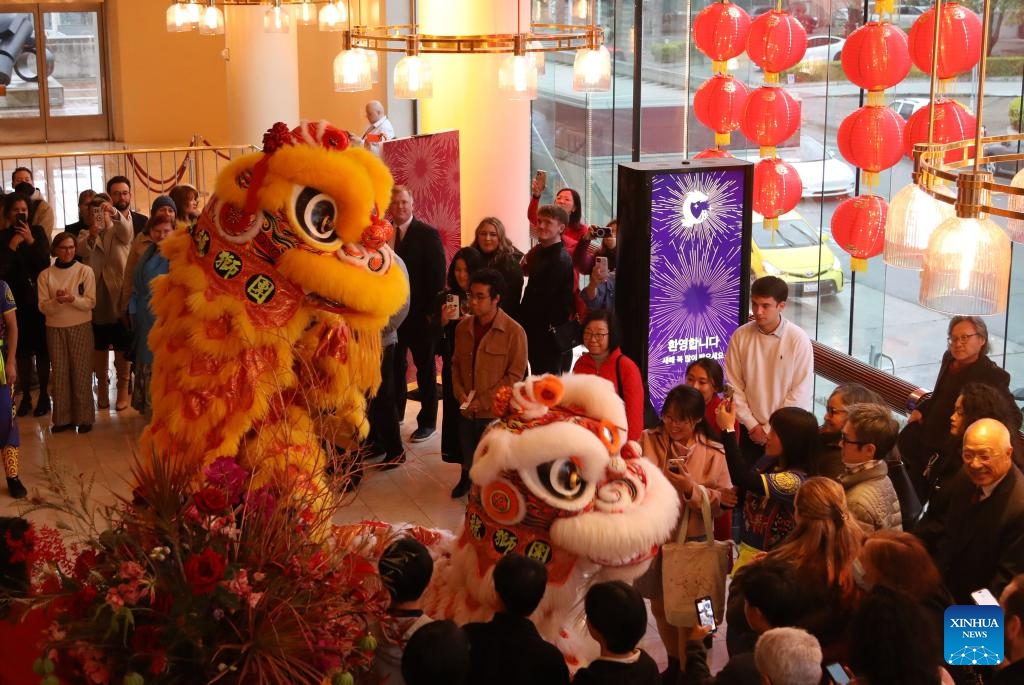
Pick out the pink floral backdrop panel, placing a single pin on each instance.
(429, 166)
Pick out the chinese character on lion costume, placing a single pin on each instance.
(554, 479)
(268, 322)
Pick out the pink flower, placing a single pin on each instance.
(114, 598)
(225, 474)
(262, 503)
(131, 570)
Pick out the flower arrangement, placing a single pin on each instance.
(212, 580)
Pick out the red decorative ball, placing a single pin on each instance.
(876, 56)
(771, 116)
(952, 123)
(719, 103)
(959, 40)
(713, 153)
(858, 226)
(777, 188)
(720, 30)
(777, 41)
(871, 137)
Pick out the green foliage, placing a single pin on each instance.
(1015, 114)
(668, 52)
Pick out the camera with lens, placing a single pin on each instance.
(600, 232)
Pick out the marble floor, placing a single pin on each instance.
(417, 492)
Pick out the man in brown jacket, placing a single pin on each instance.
(490, 353)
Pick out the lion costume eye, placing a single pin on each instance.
(315, 211)
(562, 477)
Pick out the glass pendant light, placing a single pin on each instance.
(966, 269)
(212, 21)
(536, 56)
(306, 14)
(195, 12)
(913, 217)
(177, 18)
(580, 9)
(517, 75)
(592, 70)
(351, 68)
(414, 78)
(333, 16)
(277, 19)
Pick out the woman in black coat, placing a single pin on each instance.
(501, 255)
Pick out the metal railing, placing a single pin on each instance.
(60, 177)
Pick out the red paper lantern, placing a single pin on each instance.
(858, 226)
(777, 41)
(771, 116)
(713, 153)
(871, 138)
(876, 56)
(720, 31)
(777, 189)
(959, 40)
(952, 123)
(719, 103)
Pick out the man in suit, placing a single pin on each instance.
(419, 246)
(980, 542)
(119, 188)
(508, 648)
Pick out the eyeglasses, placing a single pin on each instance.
(674, 420)
(479, 297)
(835, 412)
(845, 440)
(961, 338)
(595, 336)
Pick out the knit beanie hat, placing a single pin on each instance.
(162, 201)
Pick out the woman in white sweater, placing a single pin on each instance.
(67, 296)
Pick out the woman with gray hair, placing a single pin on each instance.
(965, 361)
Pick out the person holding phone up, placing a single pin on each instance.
(24, 253)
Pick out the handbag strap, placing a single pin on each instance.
(705, 510)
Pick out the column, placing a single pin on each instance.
(262, 75)
(494, 132)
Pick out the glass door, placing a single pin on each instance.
(52, 85)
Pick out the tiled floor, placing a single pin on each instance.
(417, 492)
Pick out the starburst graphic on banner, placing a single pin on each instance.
(696, 205)
(697, 295)
(444, 214)
(979, 656)
(421, 164)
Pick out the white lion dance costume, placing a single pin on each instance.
(554, 479)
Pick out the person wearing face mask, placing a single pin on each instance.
(980, 541)
(40, 213)
(829, 458)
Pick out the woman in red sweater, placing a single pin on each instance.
(604, 358)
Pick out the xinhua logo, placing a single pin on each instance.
(973, 635)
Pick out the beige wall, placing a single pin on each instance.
(166, 86)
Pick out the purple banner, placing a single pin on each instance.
(696, 271)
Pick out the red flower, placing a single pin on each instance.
(211, 501)
(204, 571)
(86, 561)
(276, 137)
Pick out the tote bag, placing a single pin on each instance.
(691, 570)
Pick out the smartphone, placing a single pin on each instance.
(21, 218)
(601, 262)
(983, 596)
(706, 613)
(542, 178)
(675, 465)
(728, 392)
(837, 674)
(452, 301)
(469, 398)
(97, 213)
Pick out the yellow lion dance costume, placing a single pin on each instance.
(268, 323)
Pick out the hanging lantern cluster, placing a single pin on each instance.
(952, 123)
(959, 41)
(875, 57)
(720, 32)
(777, 41)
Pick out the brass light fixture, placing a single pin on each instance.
(591, 68)
(967, 264)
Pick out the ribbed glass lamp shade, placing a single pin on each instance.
(1015, 227)
(966, 268)
(333, 17)
(195, 11)
(352, 72)
(373, 57)
(518, 78)
(177, 18)
(580, 9)
(212, 22)
(592, 70)
(414, 79)
(913, 217)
